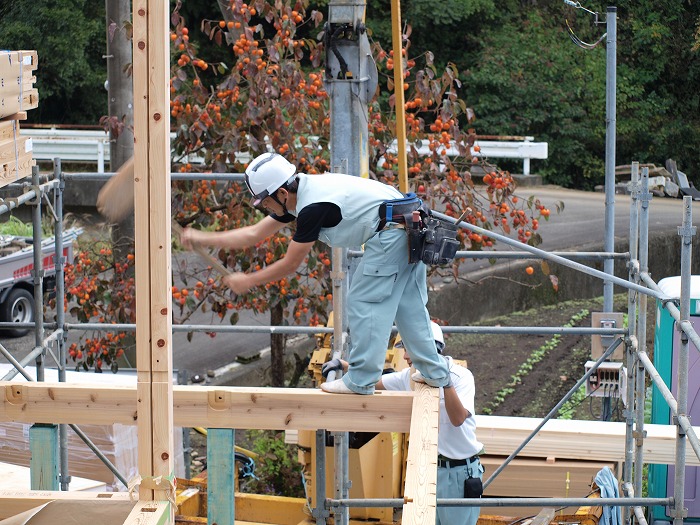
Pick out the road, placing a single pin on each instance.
(581, 223)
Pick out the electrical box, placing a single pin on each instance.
(600, 343)
(609, 380)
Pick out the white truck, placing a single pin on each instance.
(16, 280)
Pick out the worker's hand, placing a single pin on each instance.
(239, 282)
(330, 366)
(189, 238)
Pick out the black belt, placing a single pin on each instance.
(444, 462)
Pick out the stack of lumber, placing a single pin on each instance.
(17, 96)
(579, 440)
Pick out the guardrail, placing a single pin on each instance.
(513, 148)
(93, 146)
(70, 145)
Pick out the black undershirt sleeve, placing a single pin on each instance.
(314, 217)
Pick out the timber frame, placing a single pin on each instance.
(151, 405)
(235, 407)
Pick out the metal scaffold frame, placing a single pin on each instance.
(639, 286)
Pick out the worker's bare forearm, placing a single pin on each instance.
(273, 272)
(296, 252)
(454, 407)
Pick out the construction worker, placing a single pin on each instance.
(459, 471)
(341, 211)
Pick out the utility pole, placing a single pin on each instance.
(120, 93)
(351, 81)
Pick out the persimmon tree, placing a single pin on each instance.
(270, 95)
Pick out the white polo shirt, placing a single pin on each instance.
(453, 442)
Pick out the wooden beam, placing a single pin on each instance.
(421, 464)
(153, 245)
(210, 407)
(571, 439)
(151, 513)
(263, 508)
(13, 502)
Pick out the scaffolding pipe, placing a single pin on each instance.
(7, 205)
(554, 258)
(640, 390)
(59, 333)
(467, 254)
(38, 277)
(631, 344)
(505, 502)
(99, 454)
(554, 410)
(312, 330)
(320, 512)
(686, 232)
(29, 357)
(75, 428)
(683, 324)
(638, 511)
(19, 367)
(682, 420)
(610, 137)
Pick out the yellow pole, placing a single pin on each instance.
(399, 99)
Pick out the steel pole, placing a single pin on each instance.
(639, 376)
(686, 231)
(610, 130)
(60, 261)
(38, 275)
(631, 344)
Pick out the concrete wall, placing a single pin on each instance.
(506, 287)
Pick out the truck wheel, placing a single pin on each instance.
(17, 308)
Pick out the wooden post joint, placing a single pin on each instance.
(219, 400)
(16, 394)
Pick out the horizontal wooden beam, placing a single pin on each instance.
(210, 407)
(13, 502)
(571, 439)
(151, 513)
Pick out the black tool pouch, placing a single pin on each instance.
(416, 238)
(473, 488)
(440, 242)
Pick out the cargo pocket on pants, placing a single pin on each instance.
(376, 282)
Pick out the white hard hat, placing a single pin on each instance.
(266, 174)
(437, 335)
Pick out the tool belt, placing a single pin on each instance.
(430, 239)
(400, 210)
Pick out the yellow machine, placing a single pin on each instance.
(376, 460)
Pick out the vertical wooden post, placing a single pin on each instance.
(43, 462)
(399, 95)
(221, 475)
(420, 491)
(153, 253)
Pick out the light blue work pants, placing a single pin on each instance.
(386, 288)
(450, 484)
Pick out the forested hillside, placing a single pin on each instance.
(518, 70)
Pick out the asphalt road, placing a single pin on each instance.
(580, 224)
